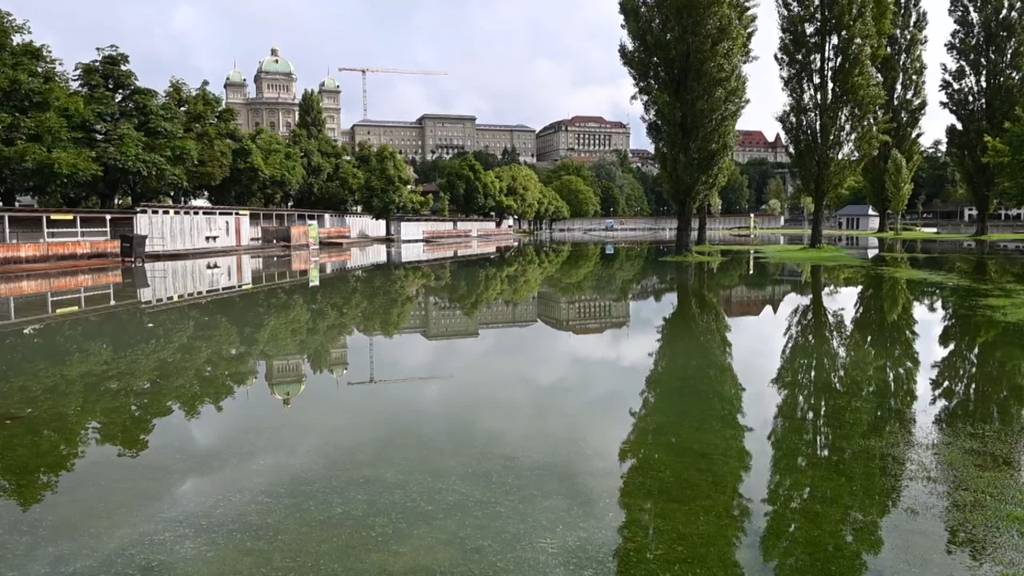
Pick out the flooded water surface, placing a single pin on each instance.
(542, 409)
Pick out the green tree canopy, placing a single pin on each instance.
(387, 183)
(984, 86)
(900, 26)
(42, 152)
(686, 59)
(580, 198)
(832, 93)
(471, 190)
(265, 171)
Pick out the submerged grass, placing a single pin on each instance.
(825, 255)
(696, 256)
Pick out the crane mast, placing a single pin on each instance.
(364, 71)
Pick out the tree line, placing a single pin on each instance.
(853, 76)
(96, 137)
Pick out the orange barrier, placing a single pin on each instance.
(66, 250)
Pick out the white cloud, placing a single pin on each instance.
(531, 61)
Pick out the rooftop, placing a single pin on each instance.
(756, 139)
(586, 121)
(857, 210)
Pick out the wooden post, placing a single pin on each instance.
(10, 304)
(78, 227)
(45, 239)
(7, 229)
(108, 227)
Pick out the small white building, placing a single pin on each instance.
(860, 217)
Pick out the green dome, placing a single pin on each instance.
(235, 77)
(329, 83)
(275, 64)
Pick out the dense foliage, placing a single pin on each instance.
(686, 59)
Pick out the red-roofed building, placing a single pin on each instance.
(584, 138)
(754, 145)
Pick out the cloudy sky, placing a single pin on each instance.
(529, 61)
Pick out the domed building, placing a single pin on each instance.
(275, 106)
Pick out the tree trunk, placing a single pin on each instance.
(817, 224)
(702, 226)
(684, 224)
(883, 221)
(981, 227)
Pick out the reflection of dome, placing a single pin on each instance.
(288, 391)
(329, 83)
(275, 64)
(286, 377)
(235, 77)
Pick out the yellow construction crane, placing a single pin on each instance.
(365, 71)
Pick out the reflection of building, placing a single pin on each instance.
(585, 314)
(337, 357)
(275, 107)
(743, 301)
(582, 138)
(286, 377)
(438, 319)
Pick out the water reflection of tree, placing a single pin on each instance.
(980, 384)
(686, 458)
(841, 430)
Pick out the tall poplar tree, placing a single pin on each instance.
(832, 93)
(984, 86)
(686, 58)
(900, 65)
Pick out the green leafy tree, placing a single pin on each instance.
(265, 171)
(487, 159)
(735, 193)
(686, 58)
(618, 189)
(776, 190)
(832, 94)
(580, 198)
(134, 137)
(387, 183)
(470, 189)
(509, 156)
(331, 178)
(521, 189)
(899, 184)
(42, 153)
(685, 457)
(311, 120)
(1006, 156)
(984, 86)
(208, 135)
(900, 25)
(551, 206)
(568, 167)
(937, 180)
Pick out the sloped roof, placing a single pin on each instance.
(857, 210)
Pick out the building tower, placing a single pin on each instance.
(236, 95)
(330, 101)
(275, 106)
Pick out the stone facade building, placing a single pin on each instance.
(275, 106)
(585, 138)
(443, 135)
(754, 145)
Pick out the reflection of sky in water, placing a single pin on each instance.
(509, 456)
(505, 461)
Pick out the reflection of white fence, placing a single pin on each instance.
(179, 279)
(723, 222)
(363, 256)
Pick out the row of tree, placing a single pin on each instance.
(97, 138)
(853, 76)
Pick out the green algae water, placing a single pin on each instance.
(550, 409)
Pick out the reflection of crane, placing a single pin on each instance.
(373, 379)
(364, 71)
